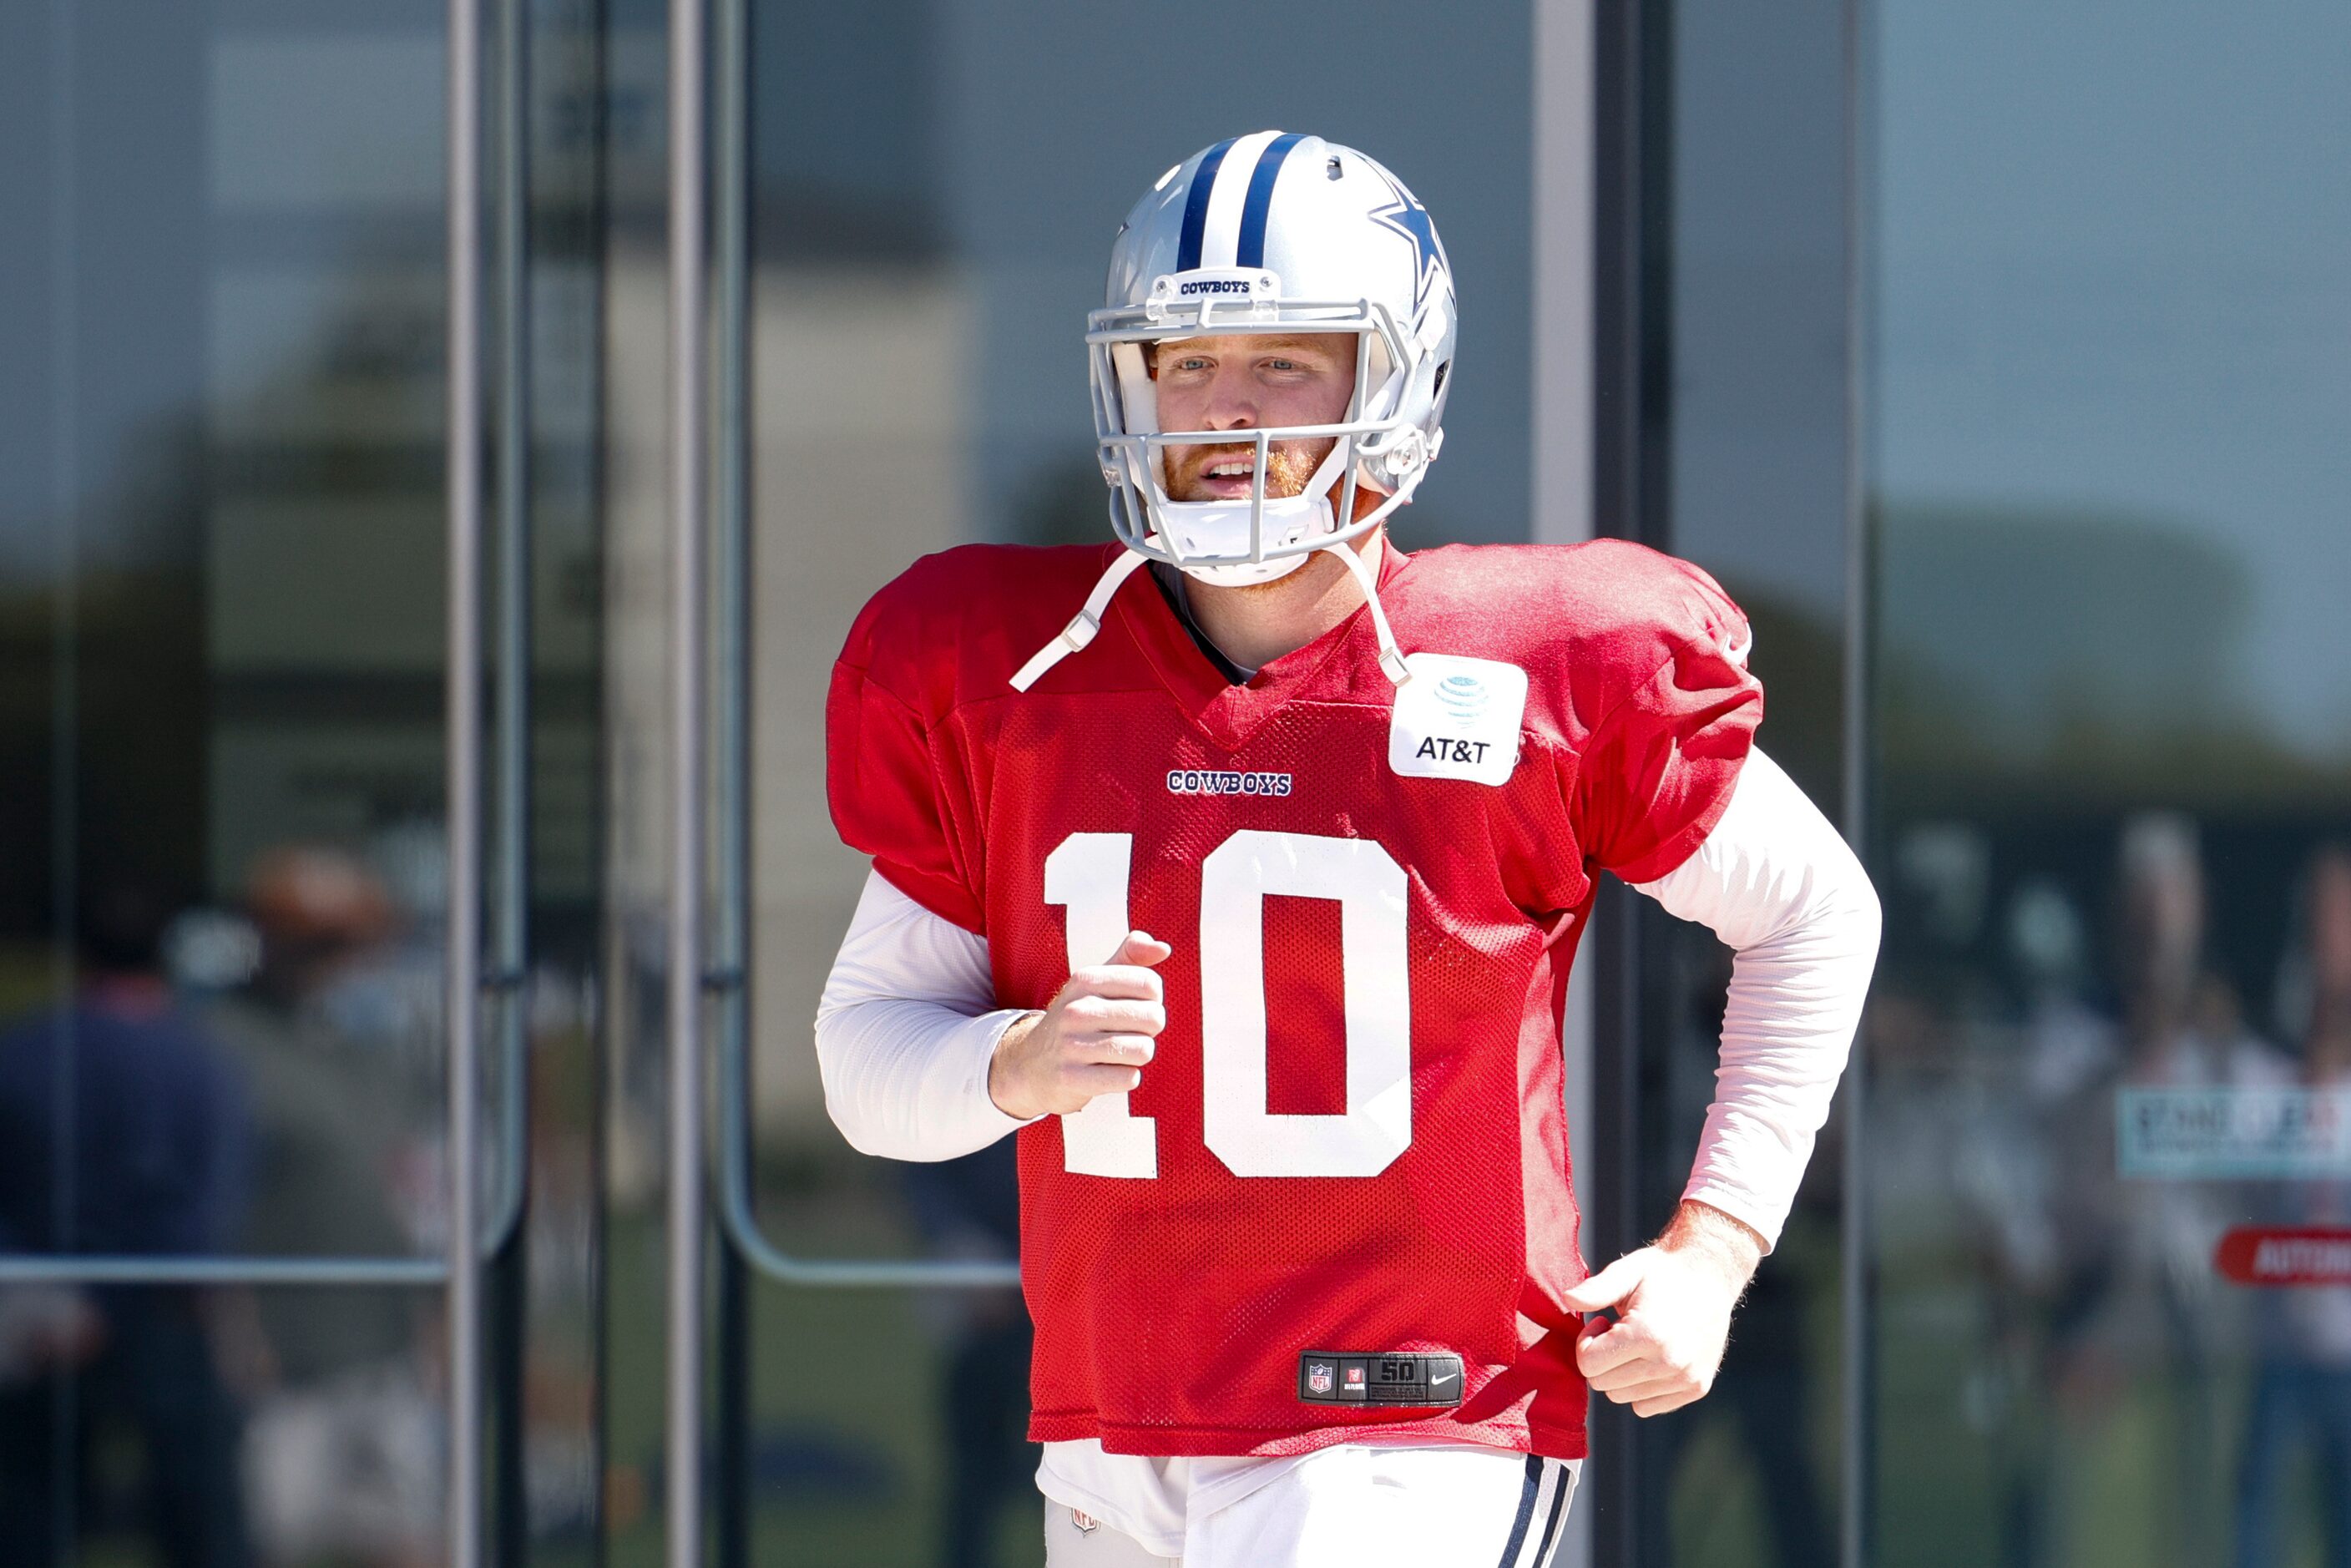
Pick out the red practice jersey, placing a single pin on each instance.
(1351, 1138)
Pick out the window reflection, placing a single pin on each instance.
(220, 575)
(2120, 1351)
(344, 1438)
(2300, 1400)
(2109, 749)
(177, 1110)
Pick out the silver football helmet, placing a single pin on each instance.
(1266, 233)
(1271, 232)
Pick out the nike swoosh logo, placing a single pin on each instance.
(1437, 1377)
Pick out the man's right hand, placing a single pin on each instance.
(1094, 1039)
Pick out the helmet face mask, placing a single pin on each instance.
(1359, 258)
(1261, 536)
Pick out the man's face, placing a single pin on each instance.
(1246, 382)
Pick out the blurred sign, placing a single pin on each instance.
(2183, 1135)
(2285, 1255)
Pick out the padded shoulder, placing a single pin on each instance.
(1592, 624)
(957, 623)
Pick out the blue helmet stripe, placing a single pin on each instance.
(1195, 204)
(1260, 199)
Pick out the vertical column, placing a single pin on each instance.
(1561, 418)
(508, 914)
(1564, 238)
(728, 960)
(688, 67)
(1856, 1341)
(464, 440)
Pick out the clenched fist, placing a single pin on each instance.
(1101, 1027)
(1673, 1302)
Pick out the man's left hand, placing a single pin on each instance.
(1673, 1300)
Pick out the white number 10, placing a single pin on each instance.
(1087, 875)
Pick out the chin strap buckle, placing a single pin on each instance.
(1391, 663)
(1074, 636)
(1080, 631)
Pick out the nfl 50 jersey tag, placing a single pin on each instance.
(1458, 718)
(1364, 1377)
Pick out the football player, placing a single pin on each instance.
(1248, 898)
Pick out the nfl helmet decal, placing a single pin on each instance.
(1410, 219)
(1271, 232)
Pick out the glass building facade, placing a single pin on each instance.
(1997, 359)
(2110, 761)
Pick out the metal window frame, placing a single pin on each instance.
(689, 426)
(710, 158)
(1565, 127)
(418, 1268)
(1858, 1338)
(723, 963)
(1628, 498)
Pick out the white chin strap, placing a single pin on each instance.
(1391, 663)
(1080, 631)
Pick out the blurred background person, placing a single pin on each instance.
(2302, 1385)
(2060, 1046)
(123, 1131)
(2144, 1325)
(342, 1452)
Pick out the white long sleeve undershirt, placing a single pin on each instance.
(904, 1032)
(1778, 885)
(908, 1021)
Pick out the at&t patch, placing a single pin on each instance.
(1458, 718)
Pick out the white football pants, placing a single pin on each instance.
(1357, 1507)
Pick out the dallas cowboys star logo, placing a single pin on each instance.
(1407, 217)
